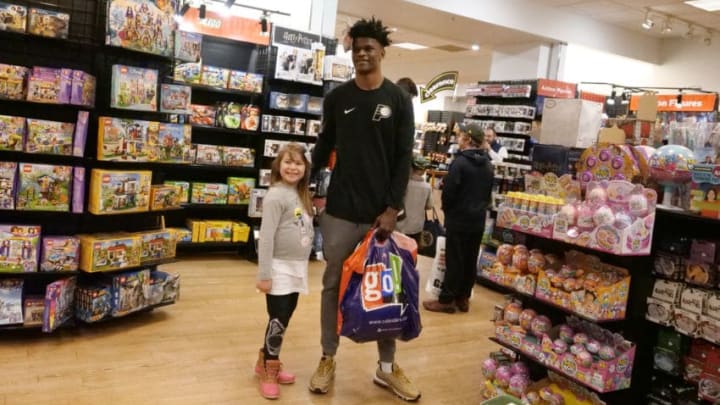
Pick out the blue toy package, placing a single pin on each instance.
(93, 303)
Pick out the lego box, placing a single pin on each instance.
(175, 99)
(8, 174)
(93, 302)
(124, 139)
(239, 189)
(12, 81)
(14, 17)
(49, 137)
(129, 292)
(173, 143)
(238, 156)
(107, 252)
(209, 193)
(134, 88)
(19, 247)
(43, 187)
(48, 23)
(156, 245)
(164, 197)
(188, 46)
(183, 190)
(12, 132)
(118, 192)
(60, 253)
(141, 25)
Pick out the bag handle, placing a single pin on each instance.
(434, 215)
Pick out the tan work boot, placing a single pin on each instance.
(269, 387)
(323, 376)
(397, 382)
(284, 377)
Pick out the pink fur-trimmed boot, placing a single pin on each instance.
(283, 377)
(269, 387)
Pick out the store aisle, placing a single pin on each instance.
(202, 350)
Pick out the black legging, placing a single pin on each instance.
(461, 252)
(280, 309)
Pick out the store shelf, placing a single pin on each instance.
(523, 117)
(680, 214)
(139, 311)
(229, 245)
(291, 113)
(139, 54)
(151, 263)
(136, 213)
(131, 165)
(286, 136)
(66, 107)
(219, 130)
(25, 157)
(510, 290)
(228, 207)
(218, 90)
(39, 274)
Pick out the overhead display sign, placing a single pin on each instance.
(296, 39)
(300, 55)
(598, 98)
(442, 82)
(690, 102)
(556, 89)
(224, 26)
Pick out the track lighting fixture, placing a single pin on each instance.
(648, 23)
(707, 40)
(611, 99)
(202, 11)
(690, 32)
(679, 99)
(229, 3)
(264, 23)
(185, 8)
(625, 98)
(666, 27)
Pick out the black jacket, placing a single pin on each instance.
(466, 191)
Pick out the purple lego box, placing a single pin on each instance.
(44, 85)
(8, 175)
(60, 253)
(81, 128)
(78, 191)
(83, 89)
(66, 76)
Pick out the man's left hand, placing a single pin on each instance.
(385, 223)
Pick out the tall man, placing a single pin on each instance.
(369, 122)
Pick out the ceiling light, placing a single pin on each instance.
(475, 47)
(409, 45)
(679, 99)
(648, 23)
(707, 5)
(666, 27)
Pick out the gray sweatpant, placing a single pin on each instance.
(340, 237)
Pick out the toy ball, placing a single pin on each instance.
(502, 376)
(622, 220)
(559, 346)
(518, 384)
(607, 352)
(584, 359)
(520, 260)
(672, 164)
(576, 348)
(504, 254)
(489, 367)
(540, 326)
(536, 262)
(597, 196)
(580, 338)
(533, 398)
(512, 313)
(569, 212)
(638, 205)
(566, 333)
(603, 216)
(520, 248)
(526, 318)
(519, 368)
(592, 346)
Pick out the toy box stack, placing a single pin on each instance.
(49, 137)
(164, 197)
(59, 303)
(48, 23)
(125, 139)
(115, 192)
(218, 231)
(188, 46)
(14, 17)
(183, 190)
(33, 310)
(239, 189)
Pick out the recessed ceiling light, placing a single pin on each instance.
(707, 5)
(475, 47)
(409, 45)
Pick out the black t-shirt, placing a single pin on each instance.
(372, 133)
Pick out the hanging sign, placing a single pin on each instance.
(690, 102)
(300, 55)
(556, 89)
(442, 82)
(293, 38)
(224, 26)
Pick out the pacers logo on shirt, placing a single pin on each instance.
(382, 111)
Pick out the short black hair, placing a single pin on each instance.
(371, 28)
(408, 85)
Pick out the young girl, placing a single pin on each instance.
(286, 234)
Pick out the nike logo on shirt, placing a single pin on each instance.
(349, 110)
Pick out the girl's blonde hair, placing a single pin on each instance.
(303, 186)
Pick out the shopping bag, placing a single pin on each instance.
(379, 288)
(428, 237)
(437, 271)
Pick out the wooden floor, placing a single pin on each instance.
(202, 350)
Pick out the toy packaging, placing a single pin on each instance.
(93, 302)
(264, 177)
(78, 192)
(48, 85)
(49, 137)
(8, 173)
(81, 127)
(313, 127)
(43, 187)
(214, 76)
(13, 17)
(134, 88)
(188, 46)
(12, 132)
(188, 72)
(107, 252)
(238, 156)
(60, 253)
(240, 232)
(208, 193)
(338, 68)
(238, 116)
(202, 115)
(59, 303)
(256, 199)
(175, 99)
(183, 190)
(705, 191)
(243, 81)
(118, 192)
(208, 154)
(129, 292)
(12, 81)
(173, 143)
(11, 300)
(156, 245)
(182, 235)
(272, 147)
(239, 189)
(126, 139)
(83, 89)
(33, 310)
(298, 126)
(164, 287)
(315, 105)
(48, 23)
(141, 25)
(164, 197)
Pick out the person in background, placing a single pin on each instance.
(286, 234)
(369, 122)
(498, 153)
(408, 85)
(418, 199)
(465, 198)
